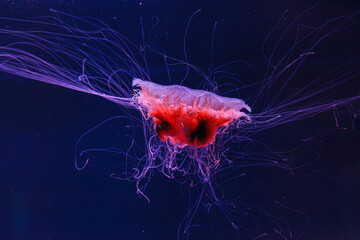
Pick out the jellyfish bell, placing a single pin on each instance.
(185, 116)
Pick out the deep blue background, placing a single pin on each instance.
(43, 196)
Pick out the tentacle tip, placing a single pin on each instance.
(81, 168)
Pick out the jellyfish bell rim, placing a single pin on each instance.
(235, 103)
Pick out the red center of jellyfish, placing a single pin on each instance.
(186, 126)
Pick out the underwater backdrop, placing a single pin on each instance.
(43, 195)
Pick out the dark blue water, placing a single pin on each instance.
(43, 196)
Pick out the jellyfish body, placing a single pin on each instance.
(185, 116)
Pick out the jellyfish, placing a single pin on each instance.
(198, 136)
